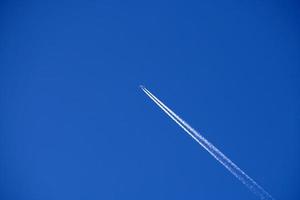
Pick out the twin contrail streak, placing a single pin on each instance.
(219, 156)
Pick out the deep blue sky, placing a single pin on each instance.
(75, 125)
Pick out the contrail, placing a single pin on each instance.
(217, 154)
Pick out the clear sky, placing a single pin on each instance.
(75, 125)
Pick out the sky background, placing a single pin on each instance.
(75, 125)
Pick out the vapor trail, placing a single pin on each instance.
(219, 156)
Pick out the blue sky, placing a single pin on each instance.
(75, 125)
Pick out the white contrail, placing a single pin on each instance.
(226, 162)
